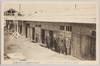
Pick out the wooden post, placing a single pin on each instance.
(72, 43)
(16, 24)
(17, 28)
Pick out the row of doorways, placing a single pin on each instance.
(42, 35)
(79, 50)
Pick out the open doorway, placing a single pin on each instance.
(51, 38)
(43, 35)
(26, 31)
(33, 33)
(20, 29)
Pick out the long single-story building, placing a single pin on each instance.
(81, 32)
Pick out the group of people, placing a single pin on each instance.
(60, 45)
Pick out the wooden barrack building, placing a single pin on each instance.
(81, 32)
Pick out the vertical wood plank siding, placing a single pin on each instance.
(83, 45)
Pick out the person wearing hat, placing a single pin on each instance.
(67, 46)
(55, 42)
(60, 44)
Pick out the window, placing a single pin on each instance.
(68, 28)
(36, 25)
(27, 25)
(39, 25)
(61, 27)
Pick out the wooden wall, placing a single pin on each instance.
(83, 45)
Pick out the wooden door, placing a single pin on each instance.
(85, 47)
(76, 46)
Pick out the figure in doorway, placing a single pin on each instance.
(55, 42)
(36, 37)
(60, 44)
(48, 40)
(67, 45)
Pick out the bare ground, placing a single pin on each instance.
(32, 51)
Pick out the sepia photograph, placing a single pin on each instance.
(50, 32)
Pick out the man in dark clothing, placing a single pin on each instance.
(48, 40)
(65, 48)
(60, 44)
(55, 42)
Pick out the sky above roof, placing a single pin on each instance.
(55, 10)
(28, 8)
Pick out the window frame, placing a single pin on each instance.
(69, 28)
(62, 27)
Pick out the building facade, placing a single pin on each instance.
(82, 36)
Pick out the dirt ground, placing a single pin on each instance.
(31, 51)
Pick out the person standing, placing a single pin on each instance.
(67, 43)
(36, 37)
(65, 47)
(60, 44)
(55, 42)
(48, 40)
